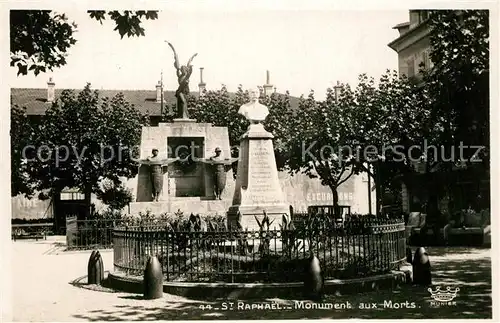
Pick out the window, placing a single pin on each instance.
(426, 59)
(417, 17)
(411, 67)
(414, 18)
(68, 196)
(424, 14)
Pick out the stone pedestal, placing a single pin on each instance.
(156, 208)
(257, 184)
(177, 120)
(187, 205)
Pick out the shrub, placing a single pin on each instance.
(115, 196)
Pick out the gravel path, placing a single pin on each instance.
(49, 286)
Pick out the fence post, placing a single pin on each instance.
(167, 246)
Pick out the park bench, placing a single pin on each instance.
(475, 230)
(31, 231)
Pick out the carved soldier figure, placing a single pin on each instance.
(183, 75)
(156, 169)
(219, 166)
(219, 173)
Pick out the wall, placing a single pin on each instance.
(415, 51)
(300, 191)
(24, 208)
(361, 189)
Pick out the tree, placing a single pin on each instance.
(458, 82)
(115, 196)
(21, 134)
(278, 122)
(446, 106)
(387, 122)
(317, 141)
(83, 140)
(40, 39)
(219, 108)
(458, 95)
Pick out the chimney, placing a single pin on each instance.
(268, 87)
(51, 90)
(202, 85)
(158, 92)
(337, 88)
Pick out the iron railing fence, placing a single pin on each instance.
(90, 234)
(355, 249)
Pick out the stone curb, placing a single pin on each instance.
(205, 291)
(63, 251)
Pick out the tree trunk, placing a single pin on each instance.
(336, 208)
(378, 188)
(369, 194)
(59, 219)
(432, 209)
(87, 202)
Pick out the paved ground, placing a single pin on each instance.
(48, 287)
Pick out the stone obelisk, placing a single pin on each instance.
(257, 184)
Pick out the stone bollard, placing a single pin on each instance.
(153, 279)
(313, 280)
(95, 268)
(421, 267)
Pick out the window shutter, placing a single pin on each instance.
(411, 67)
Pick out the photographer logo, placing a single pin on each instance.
(443, 298)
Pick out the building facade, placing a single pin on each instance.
(413, 49)
(412, 45)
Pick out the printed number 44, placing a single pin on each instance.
(205, 307)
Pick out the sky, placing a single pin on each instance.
(303, 49)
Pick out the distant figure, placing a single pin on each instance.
(254, 111)
(183, 75)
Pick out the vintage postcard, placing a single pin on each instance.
(242, 162)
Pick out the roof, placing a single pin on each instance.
(410, 37)
(35, 99)
(401, 25)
